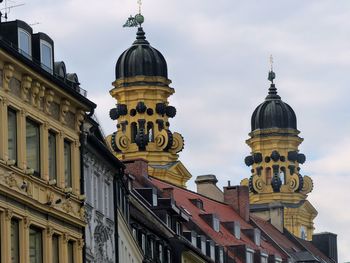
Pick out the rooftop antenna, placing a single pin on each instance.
(272, 74)
(137, 20)
(8, 8)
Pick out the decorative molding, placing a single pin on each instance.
(65, 238)
(8, 214)
(48, 99)
(49, 232)
(81, 243)
(35, 89)
(64, 108)
(40, 100)
(26, 222)
(79, 118)
(7, 75)
(26, 84)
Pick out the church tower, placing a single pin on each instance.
(275, 162)
(143, 112)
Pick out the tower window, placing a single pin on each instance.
(283, 175)
(303, 234)
(133, 128)
(15, 246)
(150, 131)
(24, 43)
(268, 174)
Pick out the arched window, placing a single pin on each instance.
(268, 175)
(150, 131)
(283, 175)
(133, 128)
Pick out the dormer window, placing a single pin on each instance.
(216, 224)
(249, 256)
(24, 43)
(46, 55)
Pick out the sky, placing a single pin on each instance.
(218, 60)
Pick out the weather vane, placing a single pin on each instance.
(137, 20)
(272, 74)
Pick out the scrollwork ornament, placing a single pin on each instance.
(161, 139)
(178, 143)
(293, 183)
(122, 141)
(258, 184)
(308, 185)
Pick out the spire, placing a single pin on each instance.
(272, 75)
(137, 20)
(140, 37)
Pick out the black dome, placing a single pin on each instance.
(141, 59)
(273, 113)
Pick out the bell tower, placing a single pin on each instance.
(275, 162)
(143, 113)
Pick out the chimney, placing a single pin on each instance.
(238, 198)
(137, 167)
(206, 185)
(327, 244)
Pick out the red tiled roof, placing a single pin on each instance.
(276, 235)
(225, 213)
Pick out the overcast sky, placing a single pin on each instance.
(218, 59)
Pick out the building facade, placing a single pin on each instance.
(41, 111)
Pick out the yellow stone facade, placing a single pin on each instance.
(36, 201)
(163, 146)
(298, 212)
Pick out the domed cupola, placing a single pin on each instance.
(273, 112)
(141, 59)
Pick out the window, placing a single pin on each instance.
(133, 128)
(178, 228)
(268, 176)
(264, 258)
(203, 245)
(168, 220)
(283, 175)
(15, 241)
(151, 244)
(160, 253)
(249, 256)
(303, 234)
(143, 242)
(212, 250)
(134, 232)
(52, 156)
(33, 146)
(150, 131)
(46, 55)
(55, 249)
(106, 195)
(67, 164)
(216, 224)
(221, 255)
(70, 252)
(35, 245)
(168, 260)
(12, 134)
(24, 43)
(95, 189)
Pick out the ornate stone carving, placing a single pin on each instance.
(65, 238)
(25, 86)
(67, 206)
(26, 222)
(64, 108)
(308, 185)
(48, 99)
(82, 213)
(7, 75)
(49, 197)
(10, 180)
(35, 89)
(79, 118)
(178, 143)
(8, 214)
(41, 95)
(49, 231)
(81, 243)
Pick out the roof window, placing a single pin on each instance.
(24, 43)
(46, 56)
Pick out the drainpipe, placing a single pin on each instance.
(83, 142)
